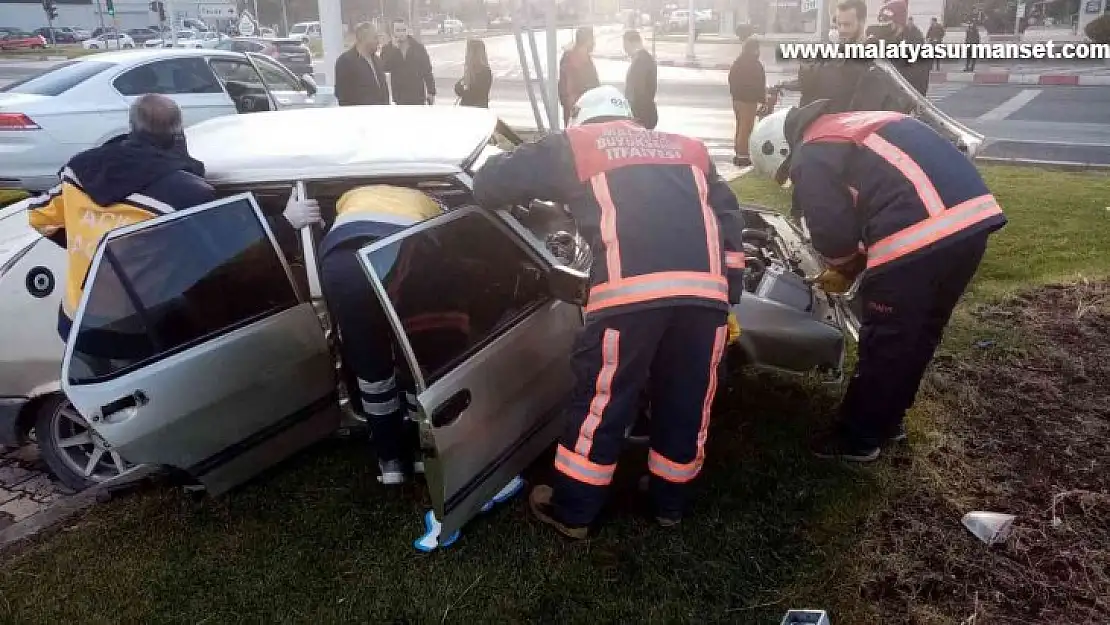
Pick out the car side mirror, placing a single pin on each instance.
(568, 285)
(309, 84)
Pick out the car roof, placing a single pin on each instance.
(339, 142)
(141, 55)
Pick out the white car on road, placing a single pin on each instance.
(186, 38)
(109, 41)
(453, 27)
(79, 104)
(240, 371)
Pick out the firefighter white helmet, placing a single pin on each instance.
(768, 147)
(603, 101)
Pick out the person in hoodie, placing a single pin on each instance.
(131, 178)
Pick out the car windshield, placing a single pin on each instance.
(57, 80)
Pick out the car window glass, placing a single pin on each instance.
(230, 70)
(172, 76)
(457, 286)
(59, 79)
(176, 284)
(276, 78)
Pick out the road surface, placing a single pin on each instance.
(1058, 123)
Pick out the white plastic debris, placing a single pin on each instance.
(806, 617)
(990, 527)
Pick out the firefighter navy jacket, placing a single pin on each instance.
(886, 182)
(664, 227)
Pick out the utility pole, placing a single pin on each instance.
(257, 17)
(51, 12)
(691, 32)
(284, 17)
(100, 15)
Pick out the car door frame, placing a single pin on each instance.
(306, 100)
(242, 56)
(454, 509)
(240, 460)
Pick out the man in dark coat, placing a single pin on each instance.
(409, 67)
(640, 82)
(360, 73)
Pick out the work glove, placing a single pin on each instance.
(733, 329)
(301, 213)
(832, 281)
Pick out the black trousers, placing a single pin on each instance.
(905, 311)
(680, 348)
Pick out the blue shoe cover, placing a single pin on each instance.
(511, 489)
(430, 540)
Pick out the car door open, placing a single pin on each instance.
(191, 347)
(487, 347)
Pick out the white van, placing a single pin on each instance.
(305, 31)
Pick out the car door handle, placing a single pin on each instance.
(450, 410)
(134, 400)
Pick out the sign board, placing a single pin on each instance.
(217, 11)
(246, 25)
(1094, 6)
(809, 5)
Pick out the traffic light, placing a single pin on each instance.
(111, 8)
(50, 9)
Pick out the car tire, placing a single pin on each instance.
(127, 45)
(94, 47)
(56, 421)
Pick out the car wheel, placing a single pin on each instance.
(76, 457)
(94, 47)
(127, 45)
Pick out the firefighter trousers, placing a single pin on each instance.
(905, 311)
(680, 348)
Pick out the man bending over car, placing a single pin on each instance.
(132, 178)
(364, 215)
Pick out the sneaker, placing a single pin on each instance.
(644, 485)
(833, 445)
(899, 436)
(393, 472)
(668, 522)
(540, 503)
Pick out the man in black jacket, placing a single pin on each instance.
(409, 67)
(360, 73)
(837, 80)
(640, 82)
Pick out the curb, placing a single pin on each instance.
(1029, 162)
(57, 513)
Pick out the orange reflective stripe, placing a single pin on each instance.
(734, 260)
(933, 229)
(658, 286)
(910, 169)
(673, 471)
(712, 232)
(608, 225)
(576, 467)
(680, 473)
(603, 391)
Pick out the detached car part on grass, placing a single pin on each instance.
(247, 392)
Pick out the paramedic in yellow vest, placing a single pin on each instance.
(364, 215)
(131, 178)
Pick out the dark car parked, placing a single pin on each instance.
(290, 52)
(143, 35)
(60, 36)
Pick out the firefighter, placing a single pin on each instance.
(892, 203)
(364, 215)
(666, 233)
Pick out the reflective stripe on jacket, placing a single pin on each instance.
(664, 227)
(888, 185)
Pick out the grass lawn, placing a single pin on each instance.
(996, 428)
(7, 196)
(68, 51)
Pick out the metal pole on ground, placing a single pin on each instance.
(538, 69)
(331, 35)
(518, 36)
(690, 32)
(552, 65)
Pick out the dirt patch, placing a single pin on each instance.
(1022, 426)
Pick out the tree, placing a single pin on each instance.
(1098, 30)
